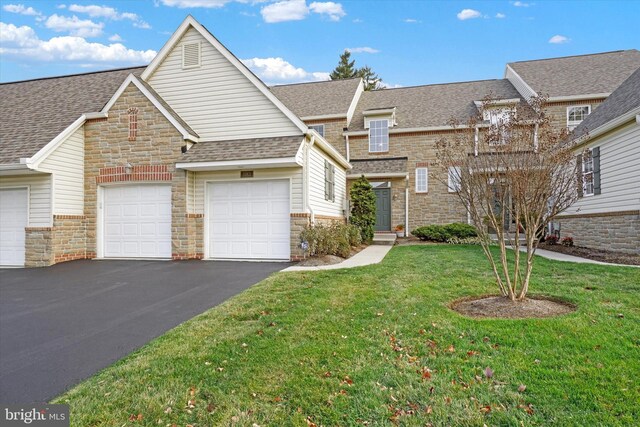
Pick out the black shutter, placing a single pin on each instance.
(579, 177)
(595, 153)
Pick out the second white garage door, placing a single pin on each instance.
(249, 220)
(137, 221)
(13, 220)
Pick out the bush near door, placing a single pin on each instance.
(442, 233)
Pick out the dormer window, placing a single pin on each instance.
(379, 136)
(576, 114)
(133, 123)
(498, 119)
(190, 55)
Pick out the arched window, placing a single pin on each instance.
(133, 123)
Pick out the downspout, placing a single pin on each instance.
(406, 208)
(307, 176)
(346, 143)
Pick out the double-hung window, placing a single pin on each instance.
(379, 136)
(422, 180)
(576, 114)
(318, 128)
(329, 181)
(587, 173)
(498, 125)
(454, 179)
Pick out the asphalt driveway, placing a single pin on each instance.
(61, 324)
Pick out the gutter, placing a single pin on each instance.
(611, 124)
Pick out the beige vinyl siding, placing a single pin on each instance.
(39, 196)
(317, 202)
(619, 173)
(294, 174)
(66, 163)
(216, 99)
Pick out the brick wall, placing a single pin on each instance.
(333, 129)
(618, 232)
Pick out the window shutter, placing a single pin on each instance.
(326, 180)
(579, 177)
(595, 153)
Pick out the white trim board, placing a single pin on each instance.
(240, 164)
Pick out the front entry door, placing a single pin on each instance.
(383, 209)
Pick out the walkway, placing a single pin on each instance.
(372, 254)
(557, 256)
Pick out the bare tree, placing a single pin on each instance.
(514, 173)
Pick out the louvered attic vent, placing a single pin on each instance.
(191, 55)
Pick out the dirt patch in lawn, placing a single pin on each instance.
(328, 259)
(493, 306)
(595, 254)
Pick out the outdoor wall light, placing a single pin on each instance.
(128, 168)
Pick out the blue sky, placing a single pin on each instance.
(405, 42)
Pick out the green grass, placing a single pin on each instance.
(280, 353)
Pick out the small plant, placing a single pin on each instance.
(567, 241)
(336, 238)
(551, 239)
(399, 229)
(442, 233)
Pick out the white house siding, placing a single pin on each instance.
(216, 99)
(317, 202)
(66, 163)
(619, 174)
(39, 196)
(294, 174)
(519, 84)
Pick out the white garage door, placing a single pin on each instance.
(14, 213)
(249, 220)
(137, 221)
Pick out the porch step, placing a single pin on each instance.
(388, 239)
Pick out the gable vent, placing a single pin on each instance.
(191, 55)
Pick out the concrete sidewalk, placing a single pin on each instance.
(557, 256)
(372, 254)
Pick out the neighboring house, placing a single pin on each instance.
(607, 214)
(189, 157)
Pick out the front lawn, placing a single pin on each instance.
(378, 346)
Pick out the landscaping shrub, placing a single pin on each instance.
(551, 239)
(461, 230)
(363, 208)
(443, 233)
(334, 239)
(567, 241)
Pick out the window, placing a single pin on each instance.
(378, 136)
(498, 125)
(576, 114)
(318, 128)
(133, 123)
(422, 180)
(587, 173)
(454, 179)
(329, 181)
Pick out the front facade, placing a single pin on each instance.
(193, 156)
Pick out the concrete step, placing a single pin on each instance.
(384, 239)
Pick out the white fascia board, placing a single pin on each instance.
(611, 124)
(36, 159)
(328, 148)
(526, 96)
(240, 164)
(379, 175)
(508, 101)
(379, 112)
(354, 102)
(569, 98)
(133, 79)
(190, 21)
(324, 117)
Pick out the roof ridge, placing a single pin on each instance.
(73, 75)
(573, 56)
(437, 84)
(318, 81)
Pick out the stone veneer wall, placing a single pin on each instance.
(152, 154)
(333, 130)
(69, 238)
(557, 111)
(298, 222)
(38, 247)
(619, 231)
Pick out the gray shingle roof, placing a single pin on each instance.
(624, 99)
(578, 75)
(244, 149)
(388, 165)
(432, 105)
(34, 112)
(318, 98)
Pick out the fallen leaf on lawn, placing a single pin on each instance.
(277, 399)
(447, 400)
(426, 373)
(422, 331)
(168, 410)
(432, 343)
(211, 407)
(488, 372)
(472, 353)
(264, 313)
(347, 380)
(191, 404)
(310, 423)
(244, 344)
(343, 392)
(379, 314)
(429, 409)
(431, 390)
(522, 388)
(220, 369)
(620, 315)
(537, 361)
(485, 339)
(272, 324)
(327, 374)
(485, 409)
(451, 349)
(260, 332)
(192, 391)
(207, 363)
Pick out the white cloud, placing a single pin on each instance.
(288, 10)
(358, 21)
(74, 26)
(184, 4)
(95, 11)
(22, 42)
(522, 4)
(364, 49)
(411, 21)
(280, 71)
(21, 9)
(390, 85)
(61, 6)
(115, 38)
(558, 39)
(333, 10)
(465, 14)
(500, 15)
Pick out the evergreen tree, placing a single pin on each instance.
(371, 79)
(363, 207)
(345, 68)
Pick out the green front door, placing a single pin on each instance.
(383, 209)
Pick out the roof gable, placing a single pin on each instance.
(221, 99)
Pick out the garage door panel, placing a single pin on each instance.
(137, 221)
(249, 219)
(14, 214)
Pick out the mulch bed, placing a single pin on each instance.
(492, 306)
(594, 254)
